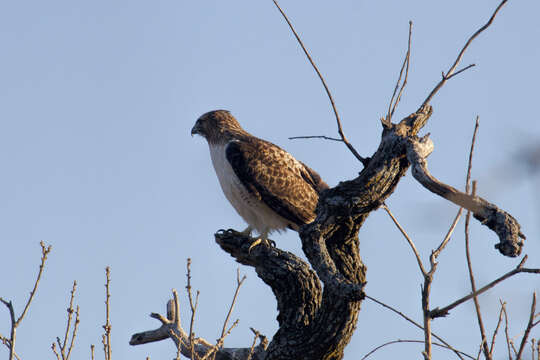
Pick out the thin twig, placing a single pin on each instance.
(53, 348)
(315, 137)
(405, 65)
(70, 316)
(92, 352)
(499, 322)
(411, 243)
(519, 269)
(471, 278)
(63, 345)
(45, 250)
(471, 153)
(457, 352)
(506, 330)
(450, 71)
(6, 342)
(530, 325)
(252, 348)
(401, 341)
(363, 160)
(448, 235)
(239, 283)
(107, 327)
(193, 306)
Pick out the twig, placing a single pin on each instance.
(401, 341)
(193, 307)
(252, 348)
(92, 352)
(53, 348)
(239, 283)
(411, 243)
(460, 211)
(503, 307)
(448, 235)
(485, 347)
(63, 345)
(530, 325)
(45, 250)
(315, 137)
(6, 342)
(457, 352)
(363, 160)
(519, 269)
(496, 329)
(219, 342)
(450, 72)
(405, 65)
(107, 327)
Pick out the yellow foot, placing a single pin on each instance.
(266, 242)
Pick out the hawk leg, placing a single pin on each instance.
(263, 239)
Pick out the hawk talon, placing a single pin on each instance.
(266, 242)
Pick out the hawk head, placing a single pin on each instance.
(217, 126)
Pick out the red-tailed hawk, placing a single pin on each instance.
(266, 185)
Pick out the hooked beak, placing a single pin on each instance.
(195, 129)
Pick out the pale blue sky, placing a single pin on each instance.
(97, 100)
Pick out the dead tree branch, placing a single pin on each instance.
(351, 148)
(529, 327)
(64, 345)
(519, 269)
(405, 66)
(450, 73)
(502, 223)
(15, 322)
(201, 347)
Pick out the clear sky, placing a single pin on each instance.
(97, 99)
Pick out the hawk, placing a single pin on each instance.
(267, 186)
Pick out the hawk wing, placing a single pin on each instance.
(276, 178)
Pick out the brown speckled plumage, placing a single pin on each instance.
(263, 177)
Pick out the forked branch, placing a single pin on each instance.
(450, 73)
(363, 160)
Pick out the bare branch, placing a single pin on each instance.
(530, 325)
(411, 243)
(170, 328)
(405, 65)
(519, 269)
(450, 71)
(45, 250)
(502, 223)
(496, 329)
(503, 307)
(363, 160)
(7, 343)
(107, 327)
(193, 306)
(483, 337)
(457, 352)
(402, 341)
(315, 137)
(63, 345)
(239, 283)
